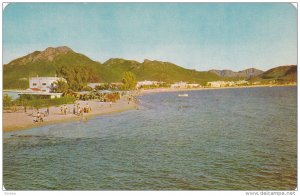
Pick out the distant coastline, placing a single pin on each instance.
(162, 90)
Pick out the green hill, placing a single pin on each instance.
(158, 71)
(279, 75)
(169, 72)
(45, 63)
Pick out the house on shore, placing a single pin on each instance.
(93, 85)
(144, 83)
(39, 95)
(43, 84)
(218, 84)
(179, 85)
(40, 87)
(184, 85)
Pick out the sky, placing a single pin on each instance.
(199, 36)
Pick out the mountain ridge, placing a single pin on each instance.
(246, 73)
(281, 74)
(48, 61)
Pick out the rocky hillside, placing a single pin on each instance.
(247, 73)
(280, 75)
(45, 63)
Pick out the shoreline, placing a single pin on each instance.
(20, 121)
(166, 90)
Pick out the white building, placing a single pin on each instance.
(43, 83)
(179, 85)
(217, 84)
(146, 83)
(242, 82)
(93, 85)
(41, 94)
(193, 85)
(149, 83)
(184, 85)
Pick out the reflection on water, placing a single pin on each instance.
(217, 139)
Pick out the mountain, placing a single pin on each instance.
(281, 75)
(158, 71)
(247, 73)
(45, 63)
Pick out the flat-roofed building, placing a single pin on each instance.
(43, 83)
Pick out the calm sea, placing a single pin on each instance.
(236, 139)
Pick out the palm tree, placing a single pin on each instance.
(60, 86)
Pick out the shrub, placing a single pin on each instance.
(7, 100)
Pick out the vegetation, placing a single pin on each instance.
(77, 76)
(16, 73)
(40, 103)
(7, 100)
(79, 70)
(129, 80)
(112, 97)
(104, 86)
(163, 85)
(278, 75)
(60, 86)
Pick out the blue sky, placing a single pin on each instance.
(199, 36)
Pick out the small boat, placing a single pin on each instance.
(183, 95)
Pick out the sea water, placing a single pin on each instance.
(228, 139)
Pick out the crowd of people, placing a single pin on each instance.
(40, 116)
(77, 109)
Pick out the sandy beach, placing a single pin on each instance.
(14, 121)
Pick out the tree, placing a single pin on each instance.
(60, 86)
(104, 86)
(129, 80)
(7, 100)
(78, 76)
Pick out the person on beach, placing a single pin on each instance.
(78, 111)
(110, 104)
(61, 109)
(129, 99)
(136, 102)
(74, 109)
(87, 108)
(77, 107)
(65, 109)
(48, 110)
(39, 118)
